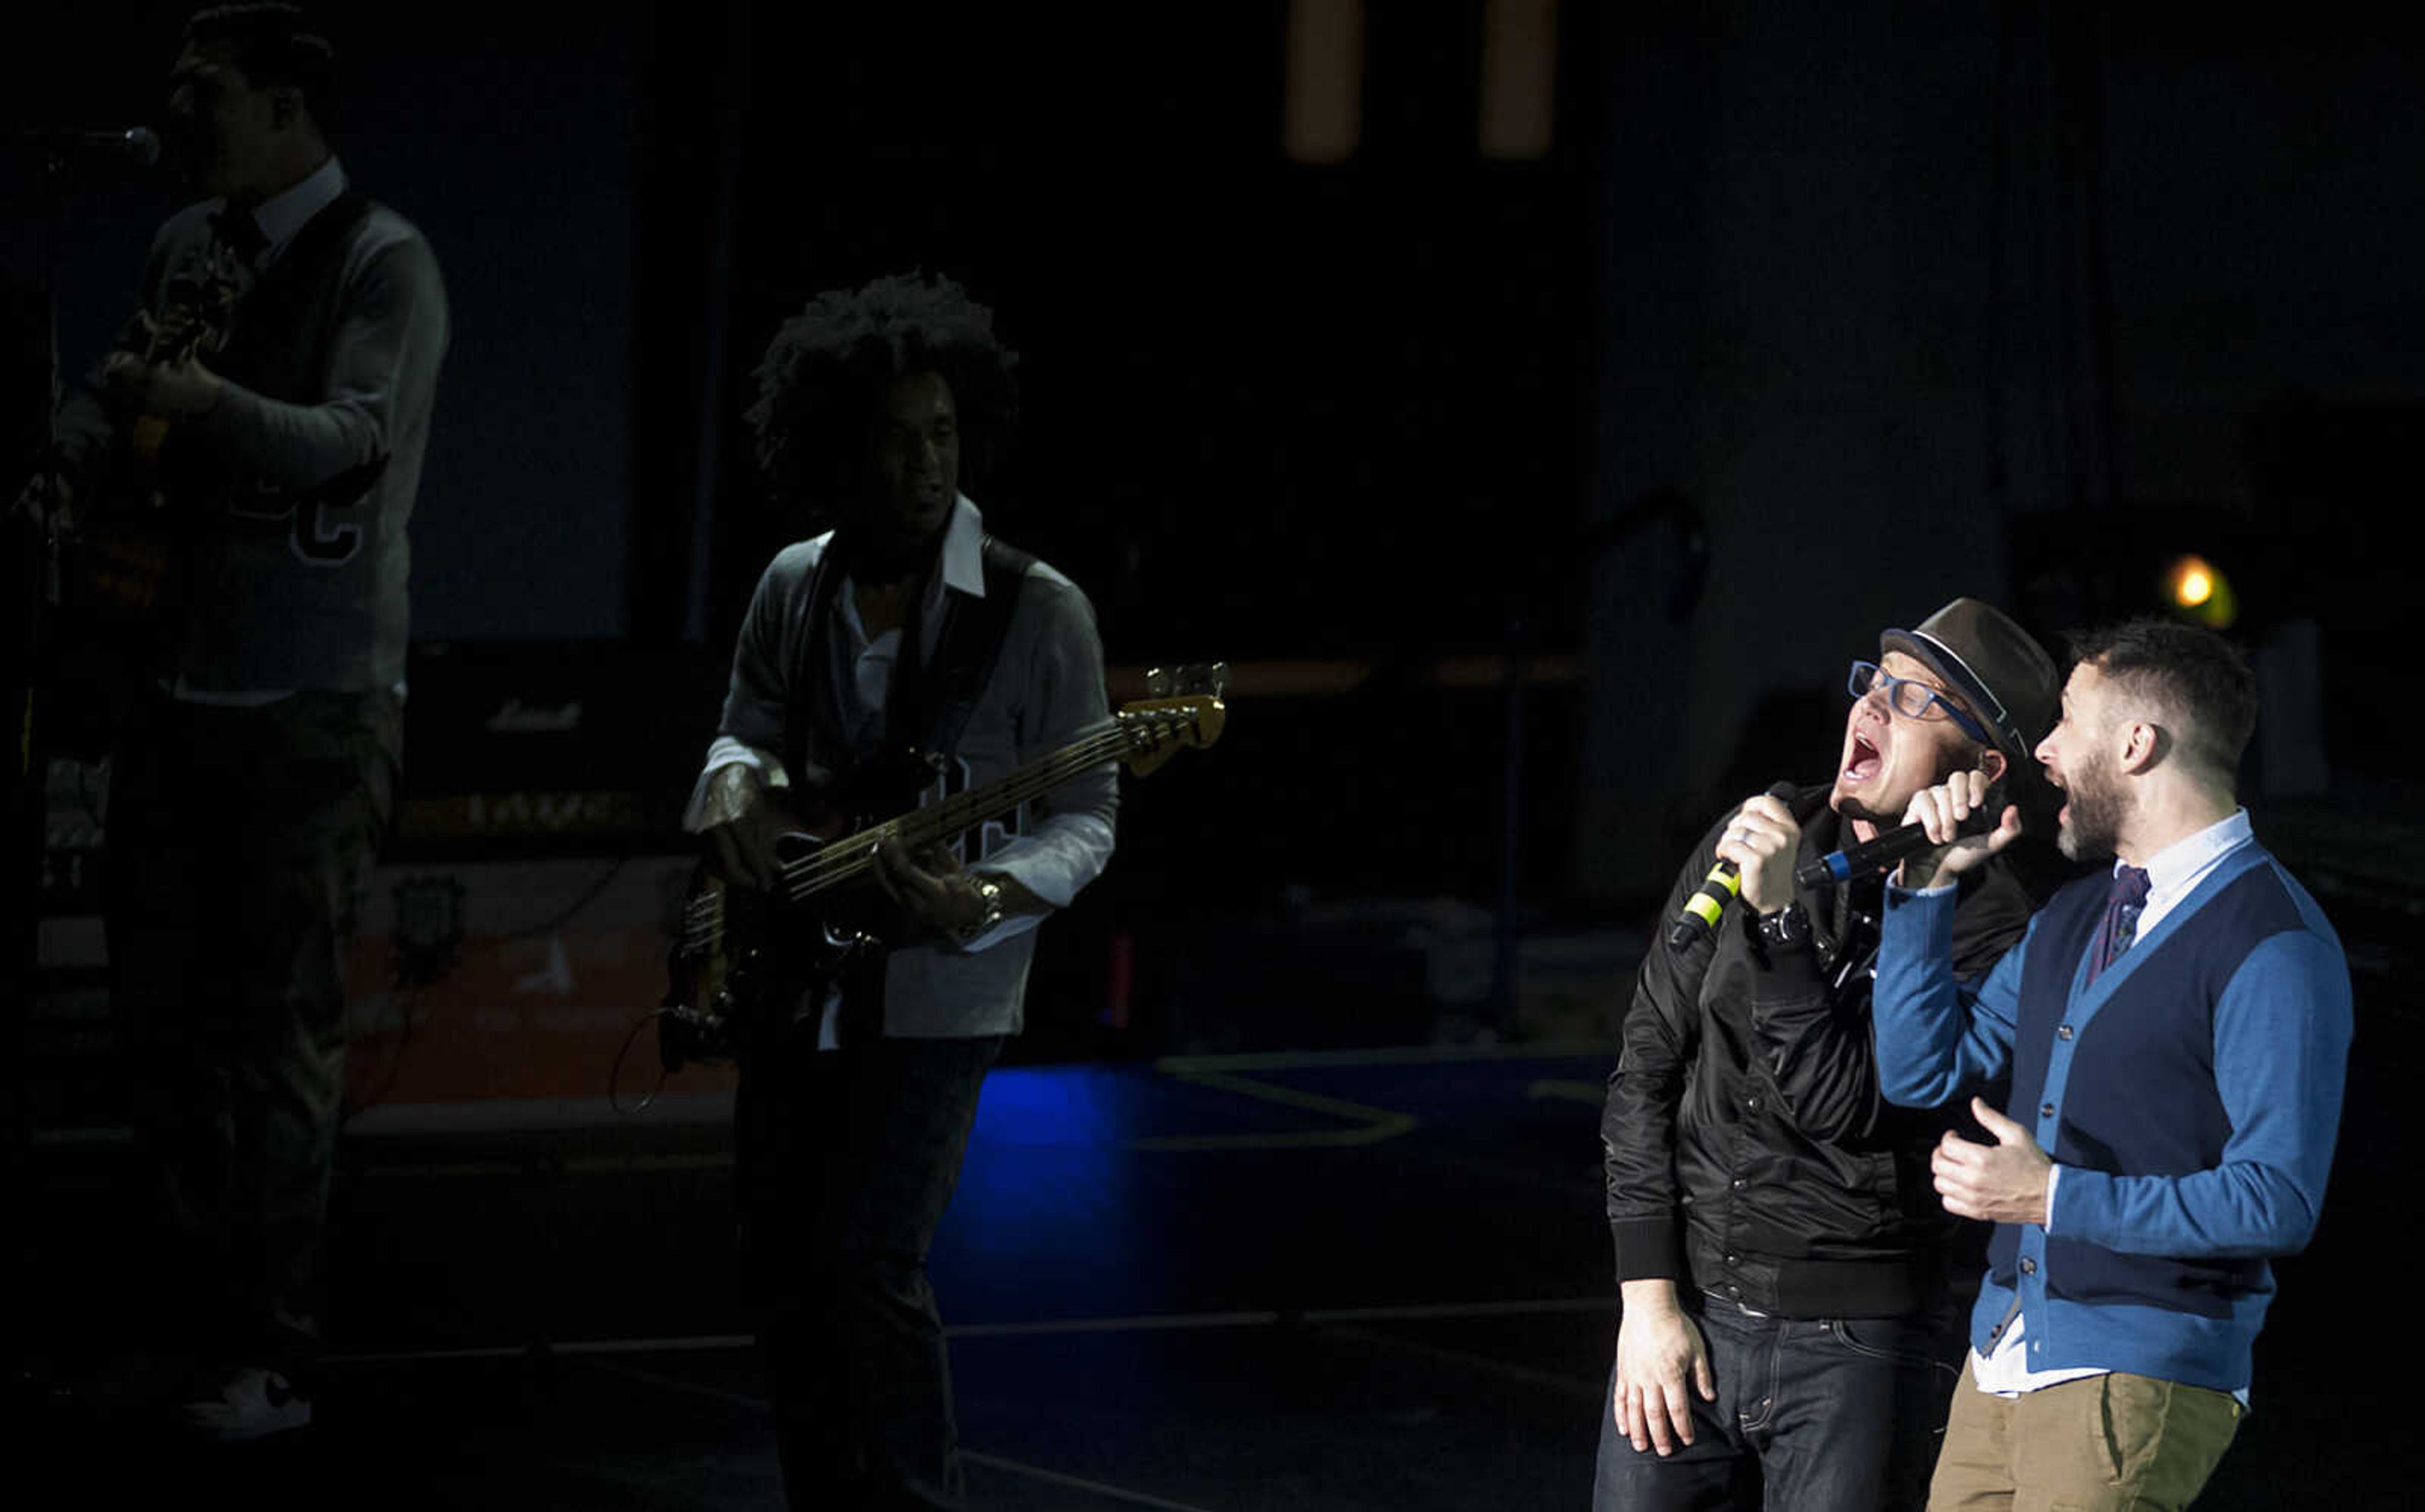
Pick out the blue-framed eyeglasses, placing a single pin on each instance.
(1911, 699)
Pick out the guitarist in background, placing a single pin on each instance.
(254, 772)
(906, 625)
(1787, 1335)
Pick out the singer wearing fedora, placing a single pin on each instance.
(2176, 1031)
(1787, 1336)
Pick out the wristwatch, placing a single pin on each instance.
(1788, 928)
(990, 891)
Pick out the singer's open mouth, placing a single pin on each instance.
(1864, 762)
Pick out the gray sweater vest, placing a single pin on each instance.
(308, 467)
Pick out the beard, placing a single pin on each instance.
(2092, 819)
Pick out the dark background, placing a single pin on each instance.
(1536, 503)
(1802, 324)
(1886, 303)
(1809, 319)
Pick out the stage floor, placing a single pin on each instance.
(1369, 1280)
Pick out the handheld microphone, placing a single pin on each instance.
(1871, 857)
(1700, 917)
(139, 145)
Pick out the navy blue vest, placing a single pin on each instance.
(2141, 1097)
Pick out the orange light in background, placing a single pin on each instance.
(2194, 587)
(1322, 110)
(1519, 78)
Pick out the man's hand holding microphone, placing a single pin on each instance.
(1942, 811)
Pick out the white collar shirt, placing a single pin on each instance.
(283, 214)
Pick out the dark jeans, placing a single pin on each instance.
(848, 1159)
(237, 841)
(1812, 1415)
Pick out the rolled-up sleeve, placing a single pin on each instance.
(757, 700)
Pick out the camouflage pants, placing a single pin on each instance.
(236, 840)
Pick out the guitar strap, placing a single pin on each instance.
(806, 670)
(930, 704)
(934, 699)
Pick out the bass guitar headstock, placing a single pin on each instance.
(1186, 710)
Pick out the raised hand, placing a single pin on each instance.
(1761, 840)
(1939, 811)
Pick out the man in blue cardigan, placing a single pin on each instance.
(2177, 1032)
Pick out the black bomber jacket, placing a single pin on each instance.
(1748, 1151)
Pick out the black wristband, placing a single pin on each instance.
(1788, 928)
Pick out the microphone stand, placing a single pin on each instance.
(1506, 944)
(29, 548)
(32, 581)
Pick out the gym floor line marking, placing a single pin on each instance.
(541, 1166)
(1078, 1483)
(1506, 1370)
(758, 1406)
(697, 1110)
(1368, 1125)
(1407, 1055)
(1418, 1312)
(1143, 1324)
(1593, 1092)
(1261, 1317)
(1312, 1316)
(544, 1347)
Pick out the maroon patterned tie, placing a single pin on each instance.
(2120, 925)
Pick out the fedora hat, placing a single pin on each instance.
(1992, 665)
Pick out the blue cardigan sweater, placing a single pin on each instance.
(2192, 1096)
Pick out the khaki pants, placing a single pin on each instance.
(2103, 1444)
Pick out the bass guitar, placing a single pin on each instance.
(743, 957)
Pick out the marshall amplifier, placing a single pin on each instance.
(570, 748)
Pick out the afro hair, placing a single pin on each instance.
(825, 374)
